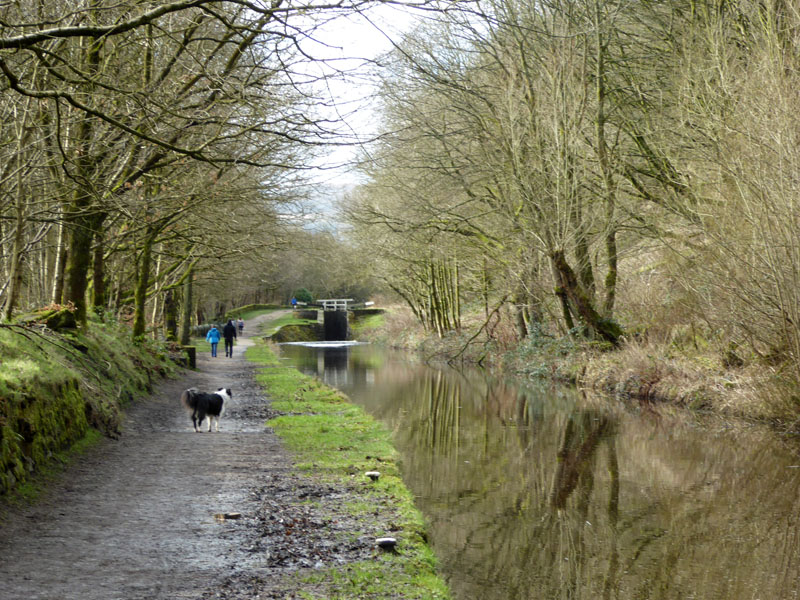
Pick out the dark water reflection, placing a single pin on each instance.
(537, 493)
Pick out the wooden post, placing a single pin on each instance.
(191, 355)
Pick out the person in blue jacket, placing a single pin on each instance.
(213, 337)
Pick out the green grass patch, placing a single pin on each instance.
(269, 328)
(290, 328)
(388, 576)
(285, 320)
(251, 311)
(367, 324)
(337, 441)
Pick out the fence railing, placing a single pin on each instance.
(335, 304)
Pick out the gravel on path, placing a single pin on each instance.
(167, 513)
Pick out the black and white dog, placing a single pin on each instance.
(205, 405)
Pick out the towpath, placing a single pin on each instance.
(139, 517)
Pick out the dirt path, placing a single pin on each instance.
(135, 517)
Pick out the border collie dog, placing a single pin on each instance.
(204, 405)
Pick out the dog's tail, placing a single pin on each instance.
(188, 398)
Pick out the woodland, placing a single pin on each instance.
(612, 171)
(623, 172)
(149, 148)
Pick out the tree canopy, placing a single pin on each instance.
(584, 165)
(596, 165)
(151, 140)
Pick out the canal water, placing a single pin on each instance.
(536, 492)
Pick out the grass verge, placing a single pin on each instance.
(286, 321)
(367, 326)
(338, 442)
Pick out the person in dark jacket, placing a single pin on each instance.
(229, 333)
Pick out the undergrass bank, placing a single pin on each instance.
(336, 441)
(700, 380)
(62, 389)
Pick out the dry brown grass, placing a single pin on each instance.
(654, 372)
(763, 392)
(400, 330)
(645, 370)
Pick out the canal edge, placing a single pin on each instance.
(335, 441)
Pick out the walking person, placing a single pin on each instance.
(229, 333)
(241, 325)
(213, 337)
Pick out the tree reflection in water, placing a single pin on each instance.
(543, 494)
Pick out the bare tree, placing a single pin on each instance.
(128, 94)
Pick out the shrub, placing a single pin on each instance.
(303, 295)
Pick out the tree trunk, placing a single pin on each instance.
(566, 312)
(186, 314)
(78, 215)
(170, 316)
(611, 274)
(59, 266)
(15, 269)
(601, 148)
(582, 255)
(15, 260)
(485, 285)
(567, 282)
(142, 281)
(155, 318)
(434, 308)
(98, 270)
(78, 256)
(457, 294)
(518, 301)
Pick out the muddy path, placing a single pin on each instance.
(138, 517)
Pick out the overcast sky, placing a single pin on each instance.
(347, 42)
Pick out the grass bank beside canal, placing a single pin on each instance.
(337, 442)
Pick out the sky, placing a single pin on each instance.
(347, 42)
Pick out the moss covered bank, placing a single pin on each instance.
(57, 388)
